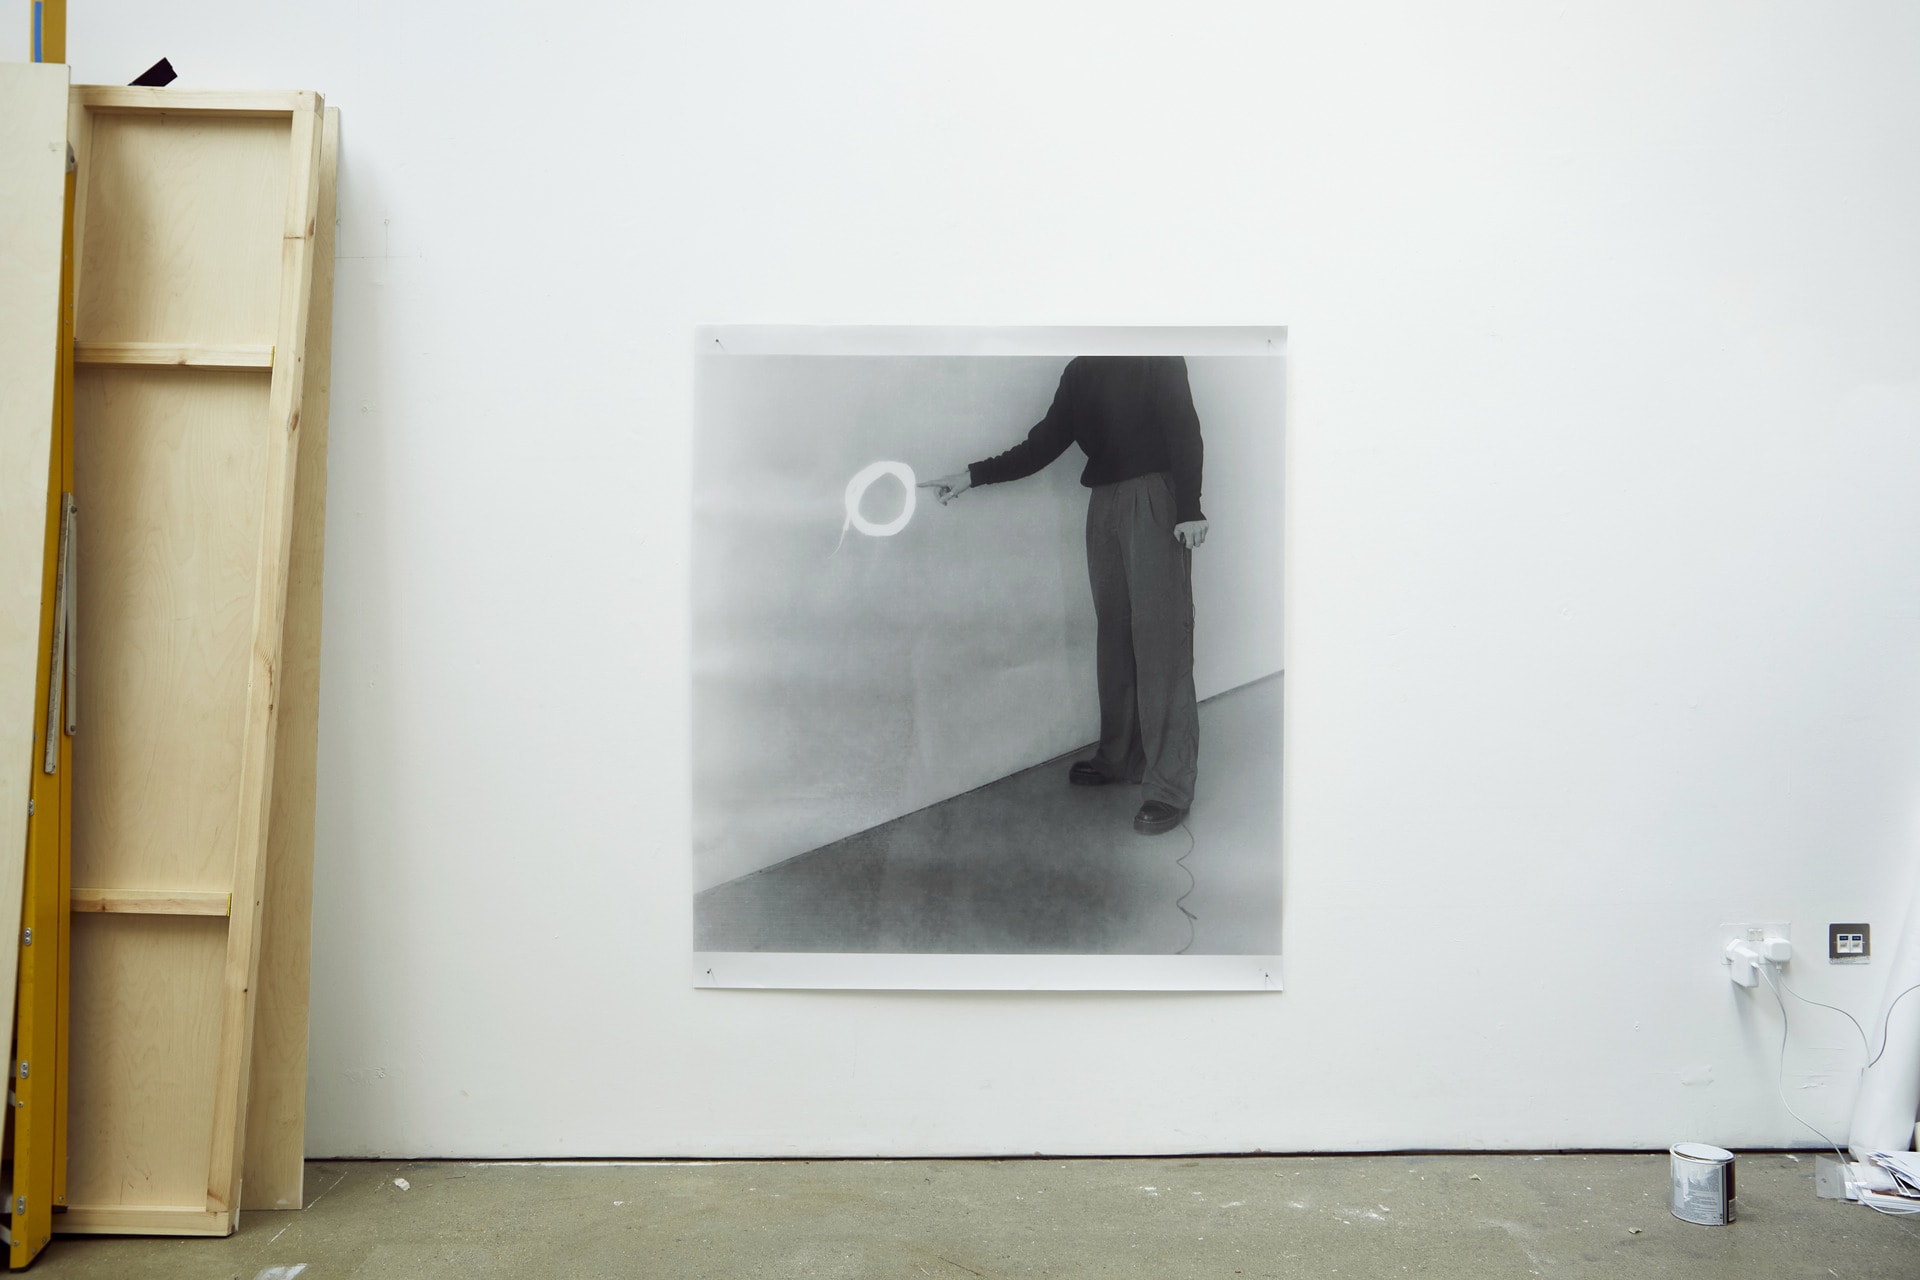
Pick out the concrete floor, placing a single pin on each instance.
(1473, 1217)
(1030, 865)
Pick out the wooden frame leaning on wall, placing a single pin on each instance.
(196, 224)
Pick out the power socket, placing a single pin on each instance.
(1849, 943)
(1755, 932)
(1745, 946)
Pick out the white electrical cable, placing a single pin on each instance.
(1889, 1097)
(1780, 1081)
(1886, 1026)
(1770, 971)
(1862, 1031)
(1865, 1041)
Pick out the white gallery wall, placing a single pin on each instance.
(1603, 614)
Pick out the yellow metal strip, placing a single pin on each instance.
(39, 1033)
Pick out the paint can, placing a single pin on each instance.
(1702, 1184)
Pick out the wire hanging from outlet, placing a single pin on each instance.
(1770, 972)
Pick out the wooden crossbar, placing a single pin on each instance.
(192, 355)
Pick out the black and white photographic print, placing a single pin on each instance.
(987, 657)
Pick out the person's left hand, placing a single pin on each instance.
(1190, 533)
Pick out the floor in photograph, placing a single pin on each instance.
(1578, 1217)
(1030, 864)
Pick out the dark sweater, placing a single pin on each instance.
(1131, 416)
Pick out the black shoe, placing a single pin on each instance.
(1157, 817)
(1087, 774)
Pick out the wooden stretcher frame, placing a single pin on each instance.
(275, 1162)
(165, 960)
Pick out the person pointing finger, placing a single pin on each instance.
(1133, 418)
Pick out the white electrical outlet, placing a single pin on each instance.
(1755, 932)
(1744, 945)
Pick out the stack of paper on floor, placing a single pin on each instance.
(1888, 1180)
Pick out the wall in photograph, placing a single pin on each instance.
(841, 682)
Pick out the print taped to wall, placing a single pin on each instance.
(987, 667)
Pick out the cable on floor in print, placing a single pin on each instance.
(1180, 903)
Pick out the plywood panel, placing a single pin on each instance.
(198, 232)
(33, 168)
(146, 989)
(33, 404)
(169, 465)
(275, 1158)
(182, 233)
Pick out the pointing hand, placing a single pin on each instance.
(947, 488)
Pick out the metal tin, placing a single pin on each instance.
(1702, 1184)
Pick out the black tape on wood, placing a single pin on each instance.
(157, 76)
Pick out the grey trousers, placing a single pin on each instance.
(1143, 603)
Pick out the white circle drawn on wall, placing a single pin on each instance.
(857, 489)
